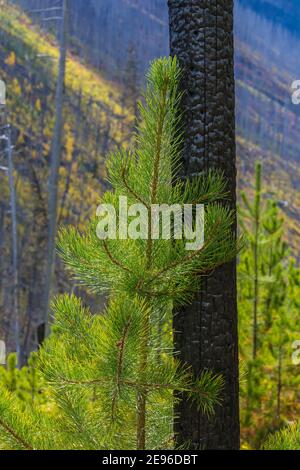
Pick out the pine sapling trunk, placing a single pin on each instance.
(279, 383)
(142, 394)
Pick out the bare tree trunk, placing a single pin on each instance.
(201, 36)
(55, 164)
(36, 270)
(2, 238)
(14, 227)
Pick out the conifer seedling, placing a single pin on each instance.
(114, 376)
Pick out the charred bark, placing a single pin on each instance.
(201, 36)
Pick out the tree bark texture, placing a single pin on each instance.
(201, 36)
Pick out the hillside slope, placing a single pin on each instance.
(284, 12)
(268, 125)
(96, 120)
(94, 123)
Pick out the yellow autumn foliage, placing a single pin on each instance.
(11, 59)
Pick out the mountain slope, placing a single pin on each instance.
(284, 12)
(96, 120)
(268, 124)
(94, 123)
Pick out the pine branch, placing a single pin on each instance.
(131, 191)
(25, 445)
(112, 259)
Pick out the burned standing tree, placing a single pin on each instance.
(5, 136)
(55, 164)
(201, 36)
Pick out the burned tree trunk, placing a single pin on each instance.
(55, 165)
(201, 36)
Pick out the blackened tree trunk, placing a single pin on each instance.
(201, 36)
